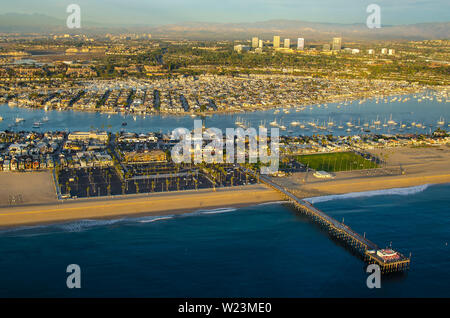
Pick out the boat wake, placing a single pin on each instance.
(352, 195)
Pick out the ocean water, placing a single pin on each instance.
(266, 250)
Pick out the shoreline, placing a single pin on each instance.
(328, 99)
(406, 167)
(157, 204)
(356, 185)
(184, 202)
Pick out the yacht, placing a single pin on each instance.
(19, 120)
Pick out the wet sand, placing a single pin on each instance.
(132, 205)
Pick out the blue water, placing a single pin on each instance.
(426, 112)
(263, 250)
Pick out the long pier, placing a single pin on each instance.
(389, 260)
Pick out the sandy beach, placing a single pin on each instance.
(37, 203)
(422, 165)
(26, 188)
(157, 204)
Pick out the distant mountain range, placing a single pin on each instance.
(307, 30)
(39, 23)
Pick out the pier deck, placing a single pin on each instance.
(388, 260)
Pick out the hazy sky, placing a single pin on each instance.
(174, 11)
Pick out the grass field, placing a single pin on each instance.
(338, 161)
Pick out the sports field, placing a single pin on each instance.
(337, 161)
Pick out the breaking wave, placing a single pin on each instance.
(394, 191)
(85, 224)
(212, 211)
(270, 203)
(155, 218)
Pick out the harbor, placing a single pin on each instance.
(405, 114)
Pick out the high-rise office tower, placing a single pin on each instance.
(337, 44)
(255, 42)
(287, 43)
(260, 44)
(300, 43)
(276, 41)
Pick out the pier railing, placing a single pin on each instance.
(368, 250)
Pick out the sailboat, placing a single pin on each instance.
(377, 122)
(262, 124)
(273, 123)
(391, 122)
